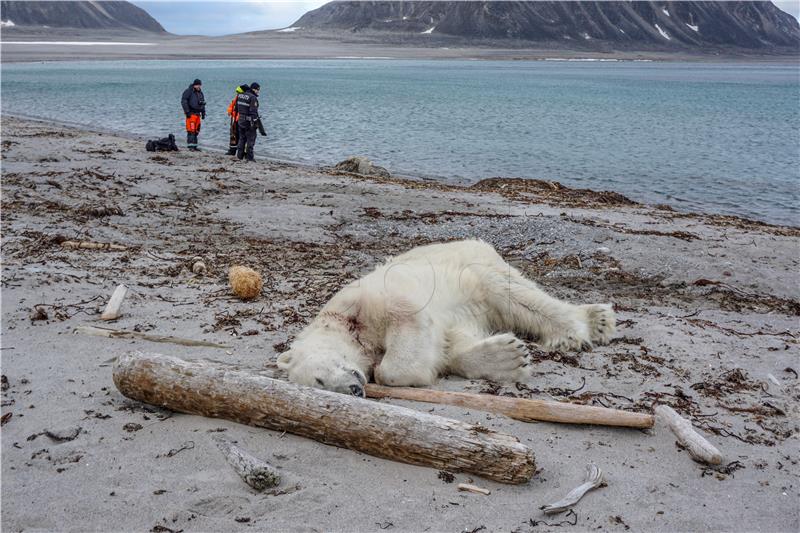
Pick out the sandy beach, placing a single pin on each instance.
(707, 305)
(23, 45)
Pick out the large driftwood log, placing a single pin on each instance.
(388, 431)
(519, 408)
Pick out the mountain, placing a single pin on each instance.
(662, 25)
(83, 15)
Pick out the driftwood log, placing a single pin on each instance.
(255, 472)
(95, 331)
(87, 245)
(387, 431)
(699, 448)
(519, 408)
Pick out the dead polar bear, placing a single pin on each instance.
(438, 309)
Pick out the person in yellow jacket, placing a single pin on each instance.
(234, 114)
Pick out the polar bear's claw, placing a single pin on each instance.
(567, 343)
(601, 320)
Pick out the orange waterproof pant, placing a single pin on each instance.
(193, 124)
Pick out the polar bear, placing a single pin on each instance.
(452, 308)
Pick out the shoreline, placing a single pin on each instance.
(287, 46)
(707, 313)
(433, 180)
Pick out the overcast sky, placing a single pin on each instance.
(197, 17)
(221, 18)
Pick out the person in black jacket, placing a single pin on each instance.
(249, 121)
(194, 107)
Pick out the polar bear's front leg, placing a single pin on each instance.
(497, 357)
(414, 353)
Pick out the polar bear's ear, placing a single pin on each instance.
(285, 360)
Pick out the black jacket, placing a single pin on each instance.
(247, 107)
(193, 102)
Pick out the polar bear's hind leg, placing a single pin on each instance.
(556, 325)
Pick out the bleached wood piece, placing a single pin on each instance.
(699, 448)
(123, 334)
(467, 487)
(594, 478)
(519, 408)
(115, 303)
(220, 390)
(255, 472)
(87, 245)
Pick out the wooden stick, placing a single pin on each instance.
(255, 472)
(87, 245)
(699, 448)
(466, 487)
(383, 430)
(519, 408)
(115, 303)
(122, 334)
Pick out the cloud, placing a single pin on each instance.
(222, 18)
(791, 6)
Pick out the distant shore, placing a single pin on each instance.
(277, 45)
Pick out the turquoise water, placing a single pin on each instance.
(711, 137)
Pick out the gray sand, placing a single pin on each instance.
(706, 349)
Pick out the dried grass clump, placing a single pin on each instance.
(245, 282)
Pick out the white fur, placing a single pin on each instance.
(440, 309)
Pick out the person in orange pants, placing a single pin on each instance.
(194, 107)
(234, 114)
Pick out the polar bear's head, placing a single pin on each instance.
(323, 367)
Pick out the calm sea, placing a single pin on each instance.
(711, 137)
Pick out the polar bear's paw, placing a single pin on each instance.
(504, 358)
(601, 321)
(569, 341)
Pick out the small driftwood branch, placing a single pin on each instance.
(467, 487)
(87, 245)
(115, 303)
(123, 334)
(255, 472)
(388, 431)
(699, 448)
(519, 408)
(594, 478)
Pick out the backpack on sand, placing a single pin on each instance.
(167, 144)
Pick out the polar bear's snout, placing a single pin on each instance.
(323, 369)
(344, 381)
